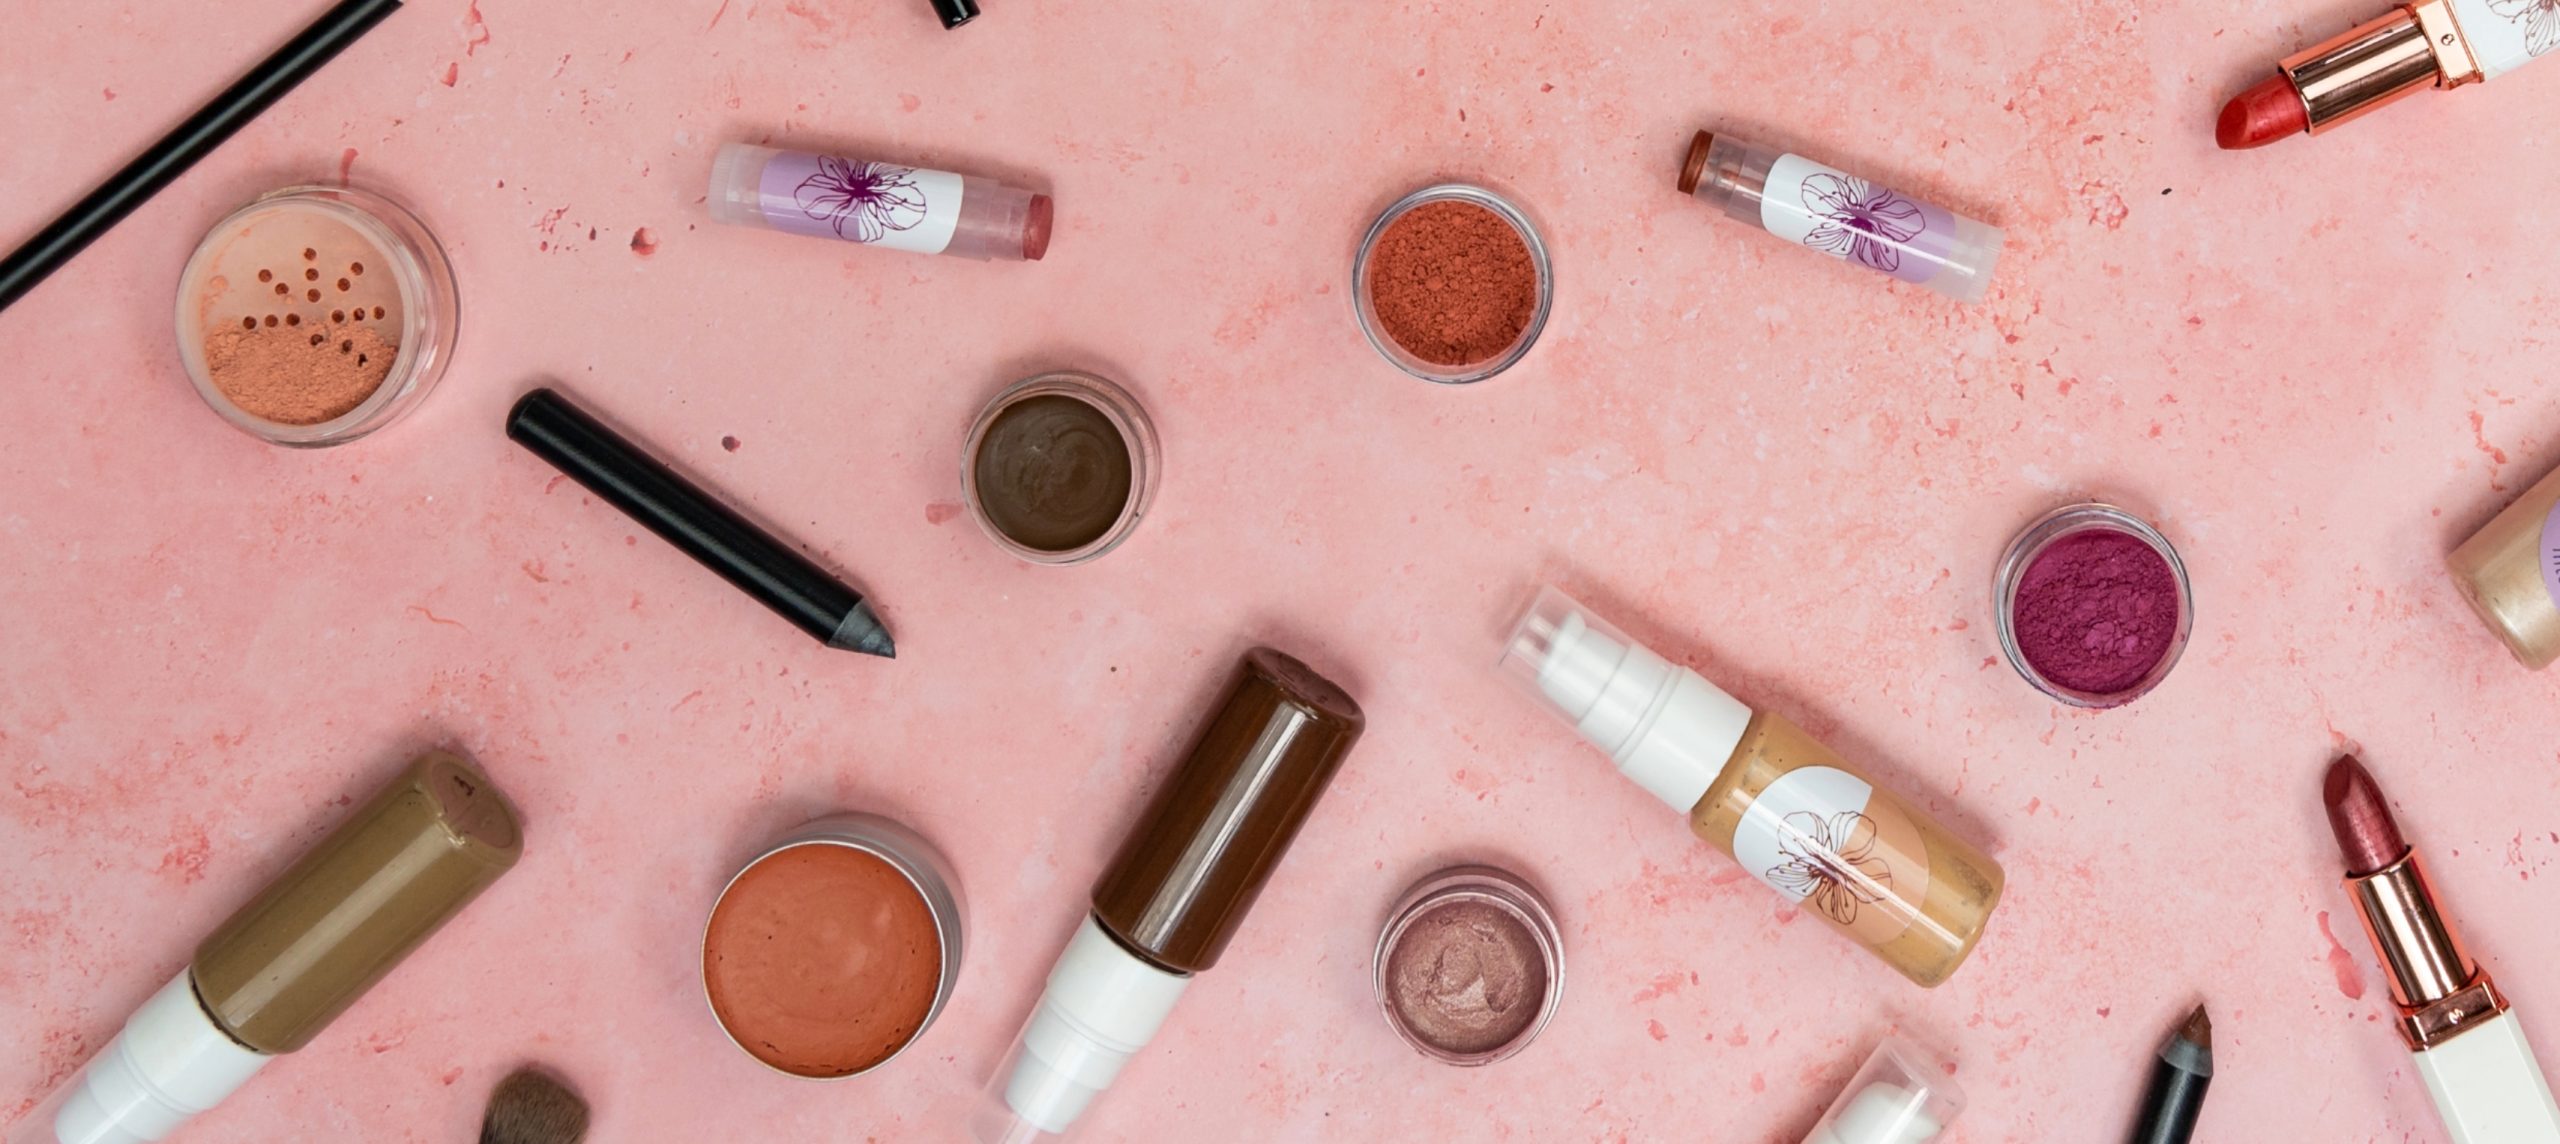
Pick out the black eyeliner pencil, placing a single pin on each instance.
(63, 239)
(635, 482)
(2178, 1080)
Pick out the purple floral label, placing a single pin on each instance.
(876, 204)
(1850, 218)
(2551, 554)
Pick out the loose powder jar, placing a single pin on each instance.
(2093, 605)
(316, 315)
(1451, 284)
(1470, 966)
(1060, 468)
(835, 949)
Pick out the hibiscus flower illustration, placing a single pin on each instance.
(1867, 222)
(1832, 863)
(2541, 20)
(862, 201)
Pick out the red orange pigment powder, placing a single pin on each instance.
(1453, 283)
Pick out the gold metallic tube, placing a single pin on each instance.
(2440, 990)
(2381, 61)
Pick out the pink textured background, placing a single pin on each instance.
(2316, 366)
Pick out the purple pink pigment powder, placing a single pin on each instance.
(2096, 611)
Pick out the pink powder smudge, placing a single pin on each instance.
(2343, 964)
(1655, 1030)
(346, 165)
(452, 73)
(475, 31)
(940, 512)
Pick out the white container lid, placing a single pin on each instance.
(1103, 1004)
(169, 1063)
(1666, 728)
(1901, 1096)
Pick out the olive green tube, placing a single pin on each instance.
(316, 938)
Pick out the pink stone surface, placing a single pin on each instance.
(2316, 366)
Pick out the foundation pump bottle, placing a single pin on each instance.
(1176, 892)
(1796, 816)
(296, 956)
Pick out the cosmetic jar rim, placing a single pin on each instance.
(1117, 405)
(1492, 886)
(2041, 534)
(926, 871)
(430, 317)
(1364, 308)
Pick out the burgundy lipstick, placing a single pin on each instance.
(2469, 1049)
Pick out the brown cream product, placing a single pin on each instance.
(2510, 573)
(1797, 816)
(285, 965)
(1176, 893)
(835, 949)
(1060, 467)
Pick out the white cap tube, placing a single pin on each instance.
(170, 1063)
(1669, 730)
(1102, 1005)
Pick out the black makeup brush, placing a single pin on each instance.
(531, 1108)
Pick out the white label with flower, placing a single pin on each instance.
(2507, 34)
(876, 204)
(1823, 839)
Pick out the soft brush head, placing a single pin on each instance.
(531, 1108)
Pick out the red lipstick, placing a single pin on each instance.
(2469, 1048)
(2422, 44)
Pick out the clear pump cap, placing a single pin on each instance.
(1903, 1095)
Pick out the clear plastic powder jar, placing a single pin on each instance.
(1452, 284)
(1060, 467)
(316, 315)
(1469, 966)
(2093, 605)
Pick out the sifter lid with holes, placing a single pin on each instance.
(316, 315)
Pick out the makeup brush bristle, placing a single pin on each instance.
(531, 1108)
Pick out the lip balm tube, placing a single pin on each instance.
(878, 204)
(288, 963)
(1844, 216)
(1175, 894)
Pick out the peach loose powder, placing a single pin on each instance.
(297, 315)
(822, 960)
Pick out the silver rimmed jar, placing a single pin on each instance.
(833, 951)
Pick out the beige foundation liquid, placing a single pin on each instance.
(284, 966)
(1793, 813)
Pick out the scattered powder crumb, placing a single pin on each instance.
(276, 373)
(729, 443)
(644, 242)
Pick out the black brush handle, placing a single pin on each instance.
(635, 482)
(63, 239)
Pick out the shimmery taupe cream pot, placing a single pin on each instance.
(835, 949)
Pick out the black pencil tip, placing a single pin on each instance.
(861, 631)
(2198, 1030)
